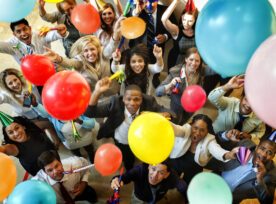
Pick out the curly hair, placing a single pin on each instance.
(206, 119)
(104, 26)
(141, 79)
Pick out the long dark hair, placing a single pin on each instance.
(193, 13)
(30, 128)
(206, 119)
(104, 26)
(141, 79)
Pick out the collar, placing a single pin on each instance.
(129, 114)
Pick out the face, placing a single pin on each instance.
(264, 152)
(157, 173)
(54, 170)
(188, 21)
(13, 83)
(90, 53)
(193, 62)
(108, 16)
(137, 63)
(23, 33)
(67, 8)
(245, 108)
(199, 131)
(153, 7)
(16, 132)
(132, 100)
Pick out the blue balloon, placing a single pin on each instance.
(229, 31)
(32, 191)
(14, 10)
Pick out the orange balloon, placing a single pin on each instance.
(108, 159)
(7, 176)
(133, 27)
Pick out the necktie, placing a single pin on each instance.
(150, 32)
(65, 194)
(238, 125)
(133, 116)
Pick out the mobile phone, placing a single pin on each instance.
(27, 102)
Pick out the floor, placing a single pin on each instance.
(100, 183)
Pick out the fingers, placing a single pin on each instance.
(115, 183)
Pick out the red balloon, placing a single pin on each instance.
(108, 159)
(66, 95)
(85, 18)
(193, 98)
(37, 69)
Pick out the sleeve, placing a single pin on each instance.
(6, 47)
(265, 192)
(51, 17)
(132, 174)
(216, 150)
(3, 99)
(42, 111)
(53, 36)
(87, 123)
(217, 99)
(110, 48)
(181, 186)
(115, 68)
(181, 131)
(77, 64)
(254, 126)
(154, 68)
(99, 110)
(160, 90)
(85, 173)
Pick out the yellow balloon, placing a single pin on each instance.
(7, 176)
(53, 1)
(151, 138)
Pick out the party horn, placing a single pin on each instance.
(44, 30)
(241, 155)
(119, 75)
(247, 156)
(120, 45)
(129, 2)
(76, 134)
(78, 170)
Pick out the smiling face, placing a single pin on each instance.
(245, 108)
(132, 100)
(13, 83)
(193, 62)
(54, 170)
(198, 131)
(23, 33)
(264, 152)
(157, 173)
(108, 16)
(188, 21)
(137, 63)
(90, 53)
(16, 132)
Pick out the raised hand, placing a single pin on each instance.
(157, 52)
(161, 38)
(102, 85)
(115, 183)
(51, 55)
(234, 83)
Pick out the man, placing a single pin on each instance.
(25, 42)
(235, 113)
(68, 187)
(151, 183)
(121, 111)
(257, 178)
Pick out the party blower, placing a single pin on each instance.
(114, 199)
(243, 155)
(119, 76)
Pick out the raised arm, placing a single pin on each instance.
(171, 28)
(119, 7)
(9, 149)
(49, 17)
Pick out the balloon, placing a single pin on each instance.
(193, 98)
(32, 191)
(260, 82)
(85, 18)
(210, 188)
(66, 95)
(151, 138)
(14, 10)
(37, 69)
(229, 31)
(108, 159)
(53, 1)
(7, 176)
(133, 27)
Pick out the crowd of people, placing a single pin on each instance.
(199, 144)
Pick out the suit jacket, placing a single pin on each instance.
(264, 191)
(114, 110)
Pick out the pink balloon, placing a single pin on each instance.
(260, 81)
(193, 98)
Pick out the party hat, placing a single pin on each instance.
(190, 6)
(243, 155)
(5, 119)
(272, 137)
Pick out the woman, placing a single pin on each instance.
(90, 58)
(26, 141)
(195, 145)
(137, 68)
(183, 33)
(62, 16)
(188, 73)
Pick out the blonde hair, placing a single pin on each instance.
(61, 4)
(78, 46)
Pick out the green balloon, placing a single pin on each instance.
(209, 188)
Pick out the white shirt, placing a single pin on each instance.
(19, 49)
(121, 132)
(69, 180)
